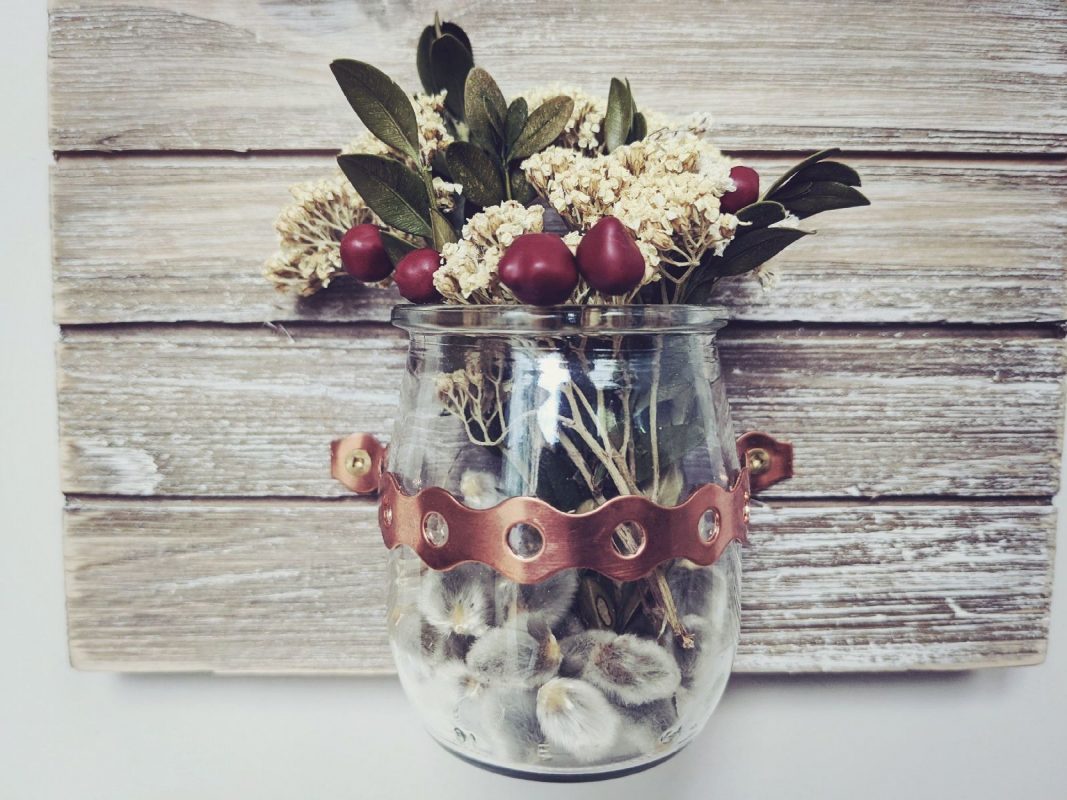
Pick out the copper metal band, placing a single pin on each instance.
(570, 541)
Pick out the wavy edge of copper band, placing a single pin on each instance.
(570, 541)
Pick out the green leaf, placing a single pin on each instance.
(396, 247)
(422, 53)
(747, 251)
(518, 111)
(391, 190)
(830, 171)
(380, 104)
(812, 159)
(543, 127)
(422, 60)
(521, 190)
(639, 129)
(443, 232)
(619, 116)
(486, 110)
(478, 173)
(673, 442)
(761, 214)
(824, 196)
(450, 61)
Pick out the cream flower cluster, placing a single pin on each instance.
(310, 232)
(664, 188)
(469, 270)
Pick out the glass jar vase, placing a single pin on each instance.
(567, 483)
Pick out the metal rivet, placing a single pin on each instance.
(358, 463)
(759, 460)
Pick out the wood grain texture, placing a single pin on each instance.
(242, 74)
(157, 240)
(282, 587)
(248, 411)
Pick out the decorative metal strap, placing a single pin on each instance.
(444, 532)
(624, 539)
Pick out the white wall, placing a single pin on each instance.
(64, 734)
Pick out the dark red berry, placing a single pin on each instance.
(414, 275)
(363, 254)
(746, 180)
(608, 258)
(539, 269)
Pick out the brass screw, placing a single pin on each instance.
(759, 460)
(358, 463)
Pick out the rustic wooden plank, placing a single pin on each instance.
(150, 239)
(297, 587)
(950, 76)
(248, 411)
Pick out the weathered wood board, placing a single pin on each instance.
(202, 530)
(933, 246)
(296, 586)
(248, 411)
(955, 76)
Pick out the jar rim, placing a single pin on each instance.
(575, 319)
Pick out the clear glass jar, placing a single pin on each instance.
(578, 676)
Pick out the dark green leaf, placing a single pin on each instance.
(396, 247)
(748, 251)
(422, 54)
(485, 110)
(391, 190)
(543, 127)
(450, 61)
(825, 196)
(812, 159)
(517, 114)
(638, 129)
(380, 103)
(521, 190)
(443, 232)
(830, 171)
(422, 60)
(478, 173)
(761, 214)
(619, 116)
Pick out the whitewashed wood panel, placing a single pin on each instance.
(298, 587)
(250, 411)
(243, 74)
(165, 239)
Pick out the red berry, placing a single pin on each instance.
(539, 269)
(746, 180)
(414, 275)
(363, 254)
(609, 259)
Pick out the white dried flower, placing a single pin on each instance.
(478, 488)
(665, 189)
(577, 718)
(458, 601)
(310, 230)
(468, 273)
(633, 670)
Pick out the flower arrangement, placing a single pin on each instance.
(462, 197)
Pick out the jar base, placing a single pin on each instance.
(558, 776)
